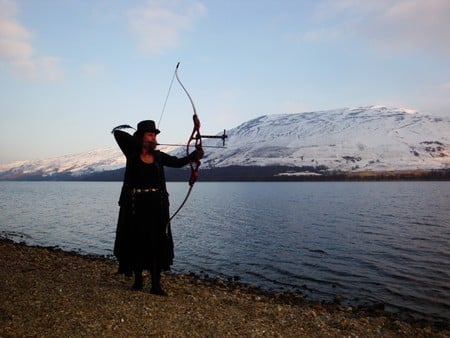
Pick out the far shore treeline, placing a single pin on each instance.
(254, 173)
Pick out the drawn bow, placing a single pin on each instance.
(195, 137)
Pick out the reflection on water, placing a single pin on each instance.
(384, 242)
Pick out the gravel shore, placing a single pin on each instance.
(50, 293)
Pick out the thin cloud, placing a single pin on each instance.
(395, 25)
(159, 25)
(16, 49)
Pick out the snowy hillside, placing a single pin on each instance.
(357, 139)
(76, 164)
(98, 160)
(368, 138)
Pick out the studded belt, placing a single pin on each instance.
(140, 191)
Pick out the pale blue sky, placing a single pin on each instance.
(71, 70)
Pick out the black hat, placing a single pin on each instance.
(147, 126)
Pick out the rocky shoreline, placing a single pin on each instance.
(47, 292)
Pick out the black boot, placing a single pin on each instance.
(138, 280)
(156, 282)
(124, 269)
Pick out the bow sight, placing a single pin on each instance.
(222, 137)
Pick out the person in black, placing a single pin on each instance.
(143, 235)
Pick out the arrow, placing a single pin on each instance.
(184, 145)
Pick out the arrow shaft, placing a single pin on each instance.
(184, 145)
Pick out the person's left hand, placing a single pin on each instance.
(198, 154)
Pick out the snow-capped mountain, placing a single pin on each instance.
(371, 138)
(75, 165)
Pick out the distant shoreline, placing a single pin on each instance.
(255, 174)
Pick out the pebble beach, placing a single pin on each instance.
(45, 292)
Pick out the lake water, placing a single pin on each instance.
(368, 242)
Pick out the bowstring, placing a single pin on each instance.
(175, 75)
(165, 101)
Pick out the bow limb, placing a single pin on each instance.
(197, 139)
(195, 135)
(185, 90)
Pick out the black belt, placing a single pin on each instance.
(140, 191)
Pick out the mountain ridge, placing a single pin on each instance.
(350, 141)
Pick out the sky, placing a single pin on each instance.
(71, 70)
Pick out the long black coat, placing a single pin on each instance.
(143, 235)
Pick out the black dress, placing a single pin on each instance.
(143, 235)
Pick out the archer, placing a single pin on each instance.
(143, 236)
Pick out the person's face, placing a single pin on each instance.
(149, 141)
(149, 137)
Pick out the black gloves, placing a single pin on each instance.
(197, 154)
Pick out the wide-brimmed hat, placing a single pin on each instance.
(147, 126)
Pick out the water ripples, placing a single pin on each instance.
(384, 242)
